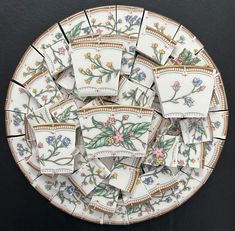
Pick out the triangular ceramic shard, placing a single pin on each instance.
(66, 79)
(102, 19)
(184, 91)
(158, 48)
(43, 89)
(98, 74)
(112, 130)
(56, 144)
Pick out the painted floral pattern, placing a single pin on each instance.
(186, 57)
(197, 87)
(39, 66)
(158, 53)
(56, 146)
(97, 70)
(68, 114)
(197, 129)
(115, 132)
(128, 56)
(131, 22)
(138, 74)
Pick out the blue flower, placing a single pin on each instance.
(137, 69)
(188, 101)
(168, 199)
(70, 189)
(148, 180)
(50, 139)
(141, 76)
(58, 35)
(66, 141)
(86, 30)
(16, 123)
(124, 61)
(128, 18)
(197, 82)
(30, 116)
(138, 21)
(132, 49)
(19, 145)
(217, 124)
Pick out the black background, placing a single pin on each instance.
(212, 208)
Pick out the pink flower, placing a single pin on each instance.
(118, 138)
(99, 31)
(131, 133)
(111, 120)
(176, 86)
(158, 152)
(179, 61)
(125, 117)
(44, 97)
(148, 210)
(201, 88)
(40, 145)
(181, 163)
(61, 51)
(109, 203)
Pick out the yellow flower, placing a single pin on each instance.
(156, 24)
(58, 96)
(114, 175)
(87, 55)
(80, 69)
(154, 45)
(109, 64)
(98, 171)
(162, 28)
(124, 166)
(110, 140)
(34, 90)
(24, 74)
(48, 86)
(93, 66)
(162, 52)
(88, 71)
(138, 181)
(87, 81)
(99, 81)
(97, 56)
(93, 20)
(159, 161)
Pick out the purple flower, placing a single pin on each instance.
(141, 76)
(66, 141)
(19, 145)
(132, 49)
(197, 82)
(217, 124)
(168, 199)
(188, 101)
(124, 61)
(30, 116)
(50, 139)
(58, 35)
(128, 18)
(87, 30)
(16, 122)
(138, 21)
(148, 180)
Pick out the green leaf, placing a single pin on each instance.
(167, 144)
(96, 123)
(128, 144)
(75, 30)
(138, 129)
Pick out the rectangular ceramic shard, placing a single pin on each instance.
(133, 94)
(105, 198)
(185, 39)
(142, 71)
(102, 19)
(196, 130)
(123, 177)
(158, 179)
(89, 176)
(184, 91)
(158, 48)
(15, 123)
(65, 112)
(163, 151)
(36, 117)
(138, 195)
(129, 20)
(75, 25)
(98, 74)
(56, 144)
(19, 100)
(219, 123)
(155, 124)
(212, 151)
(43, 89)
(48, 38)
(57, 57)
(30, 64)
(190, 155)
(162, 24)
(115, 130)
(20, 148)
